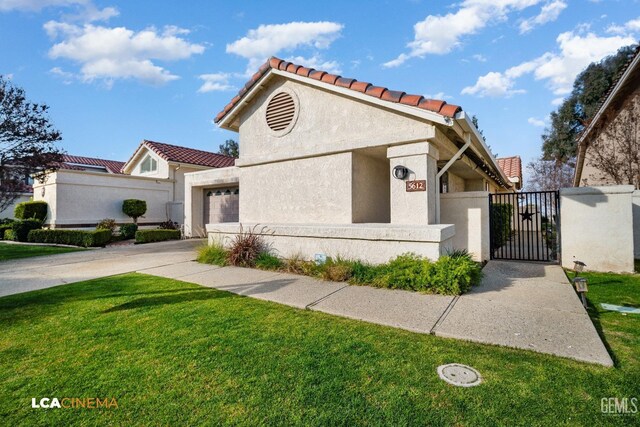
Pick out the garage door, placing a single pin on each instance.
(221, 205)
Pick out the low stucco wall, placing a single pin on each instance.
(8, 212)
(81, 199)
(636, 224)
(597, 227)
(469, 212)
(374, 243)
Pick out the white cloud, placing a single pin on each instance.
(215, 82)
(439, 34)
(536, 122)
(492, 84)
(557, 101)
(267, 40)
(480, 58)
(558, 69)
(35, 5)
(316, 62)
(439, 95)
(549, 13)
(120, 53)
(630, 27)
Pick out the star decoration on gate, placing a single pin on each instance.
(527, 216)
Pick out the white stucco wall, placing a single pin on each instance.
(326, 123)
(373, 243)
(78, 198)
(303, 191)
(636, 224)
(469, 212)
(597, 227)
(8, 212)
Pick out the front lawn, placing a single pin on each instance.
(173, 353)
(11, 251)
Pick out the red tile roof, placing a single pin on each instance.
(512, 167)
(75, 162)
(434, 105)
(175, 153)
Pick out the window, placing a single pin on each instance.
(149, 164)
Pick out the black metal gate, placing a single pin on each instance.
(525, 226)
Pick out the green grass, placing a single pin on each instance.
(11, 251)
(173, 353)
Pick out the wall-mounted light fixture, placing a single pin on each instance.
(400, 172)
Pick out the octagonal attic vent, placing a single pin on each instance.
(281, 112)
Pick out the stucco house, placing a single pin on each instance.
(330, 165)
(85, 190)
(610, 126)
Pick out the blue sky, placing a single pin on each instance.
(117, 72)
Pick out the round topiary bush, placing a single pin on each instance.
(134, 208)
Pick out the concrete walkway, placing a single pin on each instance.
(524, 305)
(530, 306)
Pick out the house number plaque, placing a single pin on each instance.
(419, 185)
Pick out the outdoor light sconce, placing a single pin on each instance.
(400, 172)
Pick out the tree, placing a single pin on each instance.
(230, 148)
(589, 89)
(547, 175)
(615, 153)
(134, 208)
(27, 142)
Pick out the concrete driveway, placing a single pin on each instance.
(29, 274)
(523, 305)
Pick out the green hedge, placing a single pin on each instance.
(8, 234)
(148, 236)
(128, 231)
(4, 227)
(501, 218)
(26, 210)
(21, 228)
(71, 237)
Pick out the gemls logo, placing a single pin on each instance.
(615, 406)
(74, 402)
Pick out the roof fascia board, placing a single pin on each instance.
(133, 160)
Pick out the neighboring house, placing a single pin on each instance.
(512, 168)
(609, 126)
(333, 166)
(85, 190)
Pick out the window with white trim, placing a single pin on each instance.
(149, 164)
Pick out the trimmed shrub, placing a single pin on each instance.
(501, 217)
(8, 234)
(3, 228)
(134, 208)
(33, 209)
(128, 231)
(82, 238)
(148, 236)
(213, 254)
(21, 228)
(107, 224)
(266, 261)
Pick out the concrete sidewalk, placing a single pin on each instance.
(524, 305)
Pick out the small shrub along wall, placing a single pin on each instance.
(148, 236)
(82, 238)
(34, 209)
